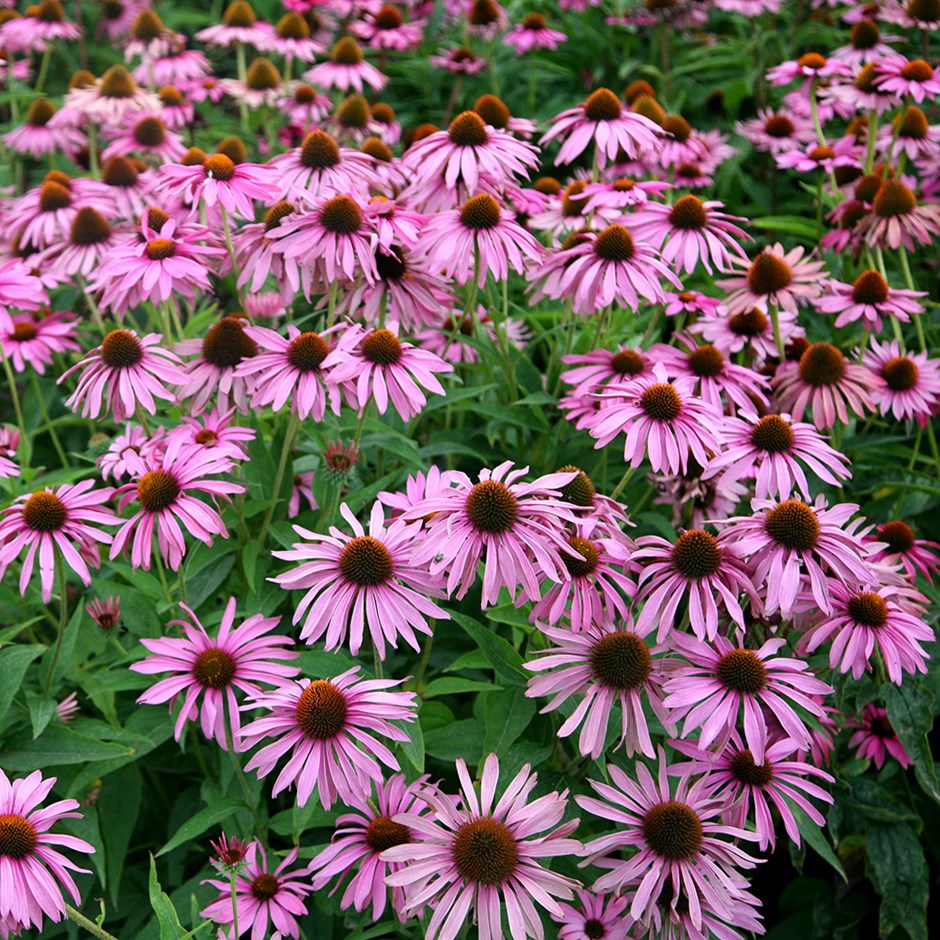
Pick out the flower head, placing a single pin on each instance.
(875, 738)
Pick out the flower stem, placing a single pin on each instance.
(292, 428)
(60, 450)
(624, 480)
(15, 396)
(94, 929)
(909, 280)
(43, 70)
(240, 774)
(778, 336)
(232, 879)
(63, 619)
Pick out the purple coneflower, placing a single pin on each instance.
(333, 731)
(533, 33)
(782, 278)
(868, 298)
(596, 917)
(106, 613)
(240, 26)
(215, 430)
(346, 68)
(386, 28)
(31, 341)
(320, 167)
(896, 219)
(207, 671)
(911, 382)
(901, 546)
(875, 738)
(915, 79)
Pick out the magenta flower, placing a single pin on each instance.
(606, 667)
(605, 121)
(33, 340)
(209, 670)
(106, 613)
(897, 219)
(775, 276)
(91, 237)
(868, 298)
(660, 420)
(362, 582)
(597, 915)
(62, 520)
(240, 25)
(771, 450)
(775, 132)
(219, 181)
(467, 150)
(124, 372)
(30, 862)
(911, 388)
(360, 838)
(214, 430)
(721, 681)
(602, 367)
(128, 453)
(376, 365)
(482, 855)
(749, 330)
(875, 738)
(691, 232)
(230, 851)
(261, 896)
(533, 33)
(915, 79)
(45, 213)
(333, 731)
(516, 528)
(678, 842)
(290, 369)
(168, 506)
(901, 546)
(792, 544)
(752, 787)
(824, 381)
(346, 69)
(477, 239)
(861, 619)
(320, 167)
(705, 571)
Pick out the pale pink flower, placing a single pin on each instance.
(868, 298)
(346, 68)
(911, 382)
(31, 341)
(533, 33)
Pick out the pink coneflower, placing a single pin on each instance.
(112, 97)
(347, 68)
(596, 584)
(335, 239)
(219, 181)
(320, 167)
(31, 341)
(63, 519)
(680, 849)
(606, 667)
(291, 39)
(460, 61)
(215, 369)
(620, 194)
(714, 377)
(146, 134)
(127, 186)
(290, 369)
(361, 582)
(186, 68)
(263, 85)
(208, 671)
(301, 490)
(516, 528)
(604, 120)
(261, 896)
(704, 571)
(386, 28)
(875, 738)
(841, 154)
(124, 372)
(42, 23)
(20, 288)
(32, 869)
(162, 263)
(914, 136)
(792, 544)
(691, 232)
(859, 620)
(479, 238)
(176, 112)
(376, 365)
(914, 79)
(824, 381)
(166, 496)
(304, 106)
(867, 44)
(333, 729)
(360, 838)
(68, 708)
(868, 298)
(36, 136)
(661, 420)
(896, 219)
(229, 851)
(91, 238)
(754, 787)
(774, 132)
(128, 453)
(609, 267)
(901, 546)
(691, 303)
(240, 26)
(776, 277)
(479, 854)
(533, 33)
(809, 67)
(467, 150)
(603, 368)
(771, 450)
(106, 613)
(46, 212)
(911, 388)
(265, 305)
(721, 681)
(597, 917)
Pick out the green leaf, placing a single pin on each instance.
(206, 570)
(506, 716)
(899, 870)
(413, 748)
(816, 838)
(119, 806)
(87, 827)
(499, 653)
(451, 685)
(910, 711)
(457, 739)
(170, 927)
(14, 661)
(203, 820)
(59, 745)
(41, 711)
(794, 224)
(69, 636)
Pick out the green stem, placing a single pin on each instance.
(331, 306)
(242, 72)
(60, 450)
(292, 428)
(624, 480)
(778, 336)
(377, 662)
(79, 918)
(821, 137)
(15, 395)
(932, 441)
(43, 70)
(423, 664)
(240, 773)
(909, 280)
(63, 618)
(233, 878)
